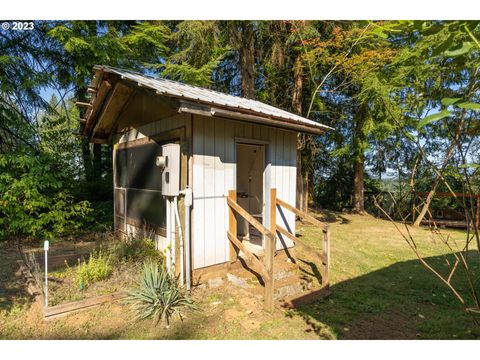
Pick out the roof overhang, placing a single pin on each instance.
(216, 111)
(112, 89)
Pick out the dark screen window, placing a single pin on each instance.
(136, 171)
(135, 167)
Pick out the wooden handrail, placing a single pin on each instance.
(266, 268)
(252, 258)
(254, 222)
(300, 243)
(326, 238)
(302, 214)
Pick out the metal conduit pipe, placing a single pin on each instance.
(187, 246)
(180, 235)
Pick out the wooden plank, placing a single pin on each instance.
(32, 286)
(270, 252)
(232, 224)
(257, 264)
(300, 243)
(82, 304)
(83, 104)
(254, 222)
(302, 214)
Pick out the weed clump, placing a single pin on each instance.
(97, 267)
(137, 247)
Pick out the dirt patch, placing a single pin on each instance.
(232, 314)
(251, 324)
(389, 325)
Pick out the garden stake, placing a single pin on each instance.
(45, 248)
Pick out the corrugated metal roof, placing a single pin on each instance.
(198, 94)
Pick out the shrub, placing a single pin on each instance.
(36, 198)
(96, 268)
(158, 295)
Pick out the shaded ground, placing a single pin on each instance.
(13, 294)
(380, 291)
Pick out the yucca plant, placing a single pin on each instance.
(158, 295)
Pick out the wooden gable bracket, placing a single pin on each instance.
(117, 100)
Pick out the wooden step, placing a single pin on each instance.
(281, 270)
(285, 288)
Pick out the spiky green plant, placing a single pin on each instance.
(158, 295)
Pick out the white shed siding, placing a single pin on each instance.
(214, 174)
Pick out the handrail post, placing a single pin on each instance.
(270, 245)
(232, 224)
(326, 257)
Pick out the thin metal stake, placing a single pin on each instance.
(45, 248)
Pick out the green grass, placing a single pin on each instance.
(379, 291)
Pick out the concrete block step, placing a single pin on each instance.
(285, 288)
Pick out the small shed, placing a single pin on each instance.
(225, 145)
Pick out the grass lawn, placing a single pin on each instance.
(380, 291)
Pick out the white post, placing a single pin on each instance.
(45, 248)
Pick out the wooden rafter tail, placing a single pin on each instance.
(92, 90)
(82, 120)
(83, 104)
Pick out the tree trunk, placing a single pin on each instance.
(247, 60)
(305, 192)
(87, 161)
(97, 161)
(358, 185)
(359, 142)
(297, 108)
(297, 86)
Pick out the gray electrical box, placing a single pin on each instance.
(171, 169)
